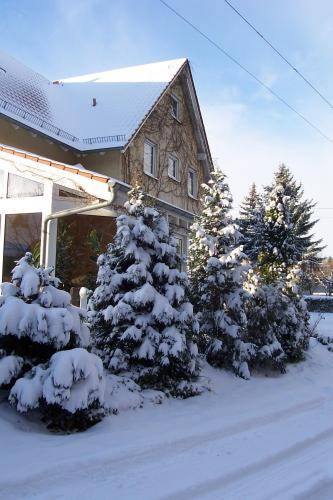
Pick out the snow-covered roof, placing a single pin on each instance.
(64, 109)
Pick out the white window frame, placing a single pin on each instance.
(152, 168)
(193, 193)
(30, 204)
(173, 158)
(176, 100)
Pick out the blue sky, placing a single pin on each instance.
(250, 132)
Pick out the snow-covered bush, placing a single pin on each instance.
(294, 331)
(277, 320)
(264, 306)
(217, 268)
(37, 321)
(142, 320)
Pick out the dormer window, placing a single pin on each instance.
(175, 107)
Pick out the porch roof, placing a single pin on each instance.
(74, 169)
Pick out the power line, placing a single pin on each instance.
(279, 54)
(252, 75)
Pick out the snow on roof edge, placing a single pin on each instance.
(160, 71)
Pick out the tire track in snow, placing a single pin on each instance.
(106, 464)
(221, 483)
(322, 489)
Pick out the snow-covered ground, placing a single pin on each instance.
(267, 438)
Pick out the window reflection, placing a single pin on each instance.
(22, 234)
(20, 187)
(80, 240)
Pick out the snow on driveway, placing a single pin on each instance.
(267, 438)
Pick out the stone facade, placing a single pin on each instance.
(172, 137)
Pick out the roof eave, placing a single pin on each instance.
(57, 141)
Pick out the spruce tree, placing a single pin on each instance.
(294, 328)
(43, 361)
(217, 269)
(278, 251)
(301, 215)
(141, 317)
(278, 266)
(251, 222)
(264, 307)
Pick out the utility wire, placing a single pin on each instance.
(252, 75)
(279, 54)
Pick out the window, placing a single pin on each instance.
(192, 183)
(180, 252)
(175, 105)
(150, 154)
(20, 187)
(22, 234)
(2, 183)
(80, 239)
(179, 245)
(173, 167)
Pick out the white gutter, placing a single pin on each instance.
(70, 211)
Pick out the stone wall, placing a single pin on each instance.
(171, 136)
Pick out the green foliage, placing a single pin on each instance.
(65, 253)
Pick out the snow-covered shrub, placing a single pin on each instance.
(264, 307)
(43, 362)
(277, 320)
(217, 268)
(68, 388)
(294, 331)
(142, 320)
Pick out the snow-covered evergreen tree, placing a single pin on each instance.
(301, 215)
(250, 223)
(141, 317)
(294, 329)
(278, 251)
(217, 269)
(278, 265)
(264, 307)
(37, 321)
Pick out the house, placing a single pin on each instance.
(71, 149)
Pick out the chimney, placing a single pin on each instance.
(94, 102)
